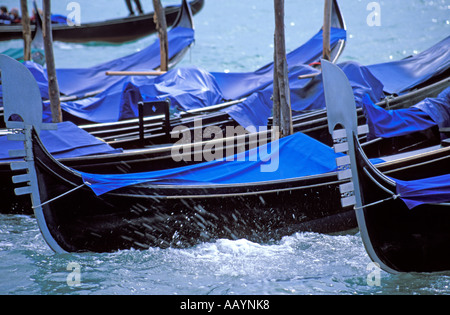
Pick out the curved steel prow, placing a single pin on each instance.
(37, 55)
(21, 96)
(341, 112)
(22, 99)
(337, 21)
(184, 18)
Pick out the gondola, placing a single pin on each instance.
(108, 105)
(176, 209)
(37, 44)
(110, 31)
(239, 112)
(404, 217)
(160, 157)
(76, 83)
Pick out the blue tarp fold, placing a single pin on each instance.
(394, 123)
(438, 108)
(306, 95)
(422, 116)
(67, 141)
(294, 156)
(428, 190)
(187, 88)
(79, 81)
(238, 85)
(400, 76)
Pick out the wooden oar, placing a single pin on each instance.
(125, 73)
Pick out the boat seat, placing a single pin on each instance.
(154, 109)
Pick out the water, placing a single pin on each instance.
(231, 35)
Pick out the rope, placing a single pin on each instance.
(388, 99)
(394, 197)
(60, 196)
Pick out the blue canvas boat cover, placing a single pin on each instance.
(294, 156)
(393, 123)
(67, 141)
(41, 77)
(120, 100)
(422, 116)
(431, 190)
(291, 157)
(188, 88)
(400, 76)
(78, 82)
(238, 85)
(438, 108)
(306, 95)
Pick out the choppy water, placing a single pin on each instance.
(237, 36)
(304, 263)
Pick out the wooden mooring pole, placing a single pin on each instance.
(53, 87)
(282, 111)
(327, 29)
(26, 30)
(161, 26)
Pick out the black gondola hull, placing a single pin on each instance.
(312, 124)
(397, 237)
(146, 216)
(406, 240)
(111, 31)
(143, 216)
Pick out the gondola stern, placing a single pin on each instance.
(184, 19)
(338, 21)
(185, 16)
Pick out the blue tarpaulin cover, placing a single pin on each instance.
(393, 123)
(438, 108)
(82, 81)
(238, 85)
(306, 95)
(188, 88)
(422, 116)
(290, 157)
(428, 190)
(67, 141)
(400, 76)
(78, 82)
